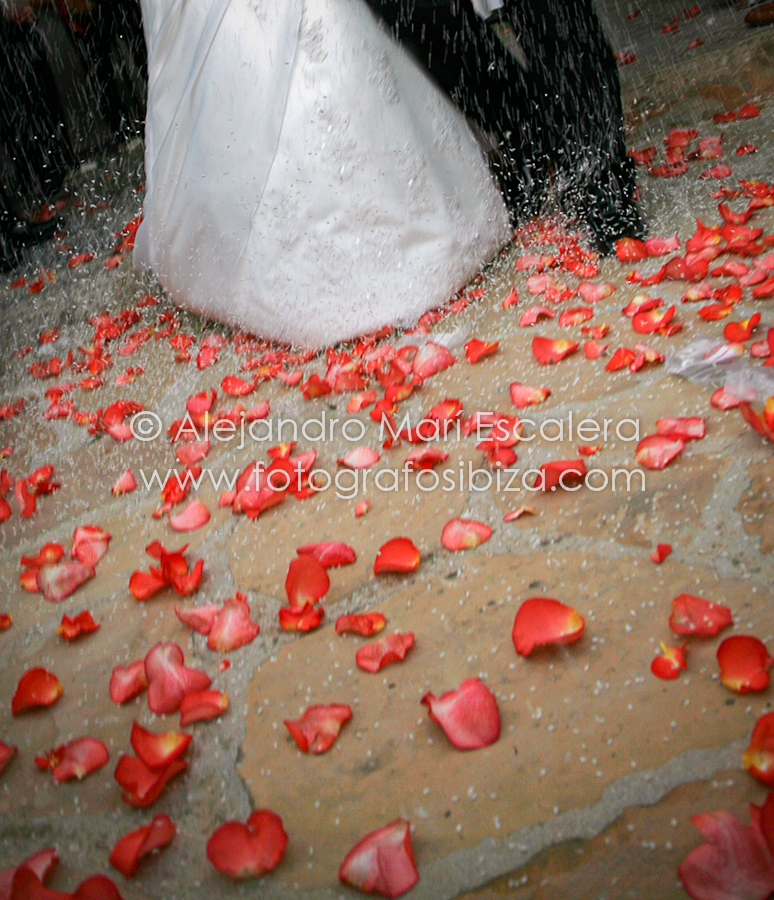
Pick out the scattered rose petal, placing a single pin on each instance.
(656, 451)
(382, 862)
(168, 679)
(365, 624)
(72, 627)
(127, 682)
(744, 663)
(464, 534)
(130, 849)
(307, 581)
(36, 688)
(541, 620)
(375, 656)
(397, 555)
(697, 616)
(76, 759)
(660, 553)
(317, 729)
(194, 516)
(670, 663)
(199, 706)
(468, 715)
(248, 850)
(329, 553)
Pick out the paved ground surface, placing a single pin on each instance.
(589, 791)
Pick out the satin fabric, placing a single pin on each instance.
(304, 179)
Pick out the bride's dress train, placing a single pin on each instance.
(304, 179)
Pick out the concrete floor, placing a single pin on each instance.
(589, 791)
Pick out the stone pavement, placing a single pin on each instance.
(589, 791)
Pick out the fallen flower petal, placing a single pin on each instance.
(248, 850)
(36, 688)
(157, 750)
(142, 785)
(329, 553)
(548, 352)
(168, 679)
(733, 864)
(686, 428)
(660, 553)
(300, 618)
(127, 682)
(518, 513)
(758, 758)
(397, 555)
(744, 663)
(199, 706)
(125, 484)
(541, 620)
(697, 616)
(130, 849)
(7, 753)
(317, 729)
(307, 581)
(72, 627)
(382, 862)
(464, 534)
(476, 350)
(383, 651)
(656, 451)
(76, 759)
(194, 516)
(523, 395)
(359, 458)
(670, 663)
(365, 624)
(468, 715)
(232, 626)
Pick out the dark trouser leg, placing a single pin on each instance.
(31, 120)
(574, 81)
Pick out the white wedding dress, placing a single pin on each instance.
(304, 179)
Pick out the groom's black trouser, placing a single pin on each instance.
(559, 121)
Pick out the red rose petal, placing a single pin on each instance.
(476, 349)
(7, 753)
(758, 758)
(125, 484)
(661, 552)
(744, 663)
(199, 706)
(194, 516)
(36, 688)
(76, 759)
(72, 627)
(130, 849)
(329, 553)
(232, 626)
(464, 534)
(142, 785)
(359, 458)
(300, 618)
(547, 351)
(58, 581)
(382, 862)
(168, 679)
(397, 555)
(668, 665)
(469, 715)
(523, 395)
(383, 651)
(697, 616)
(248, 850)
(365, 624)
(127, 682)
(317, 729)
(733, 863)
(541, 620)
(686, 428)
(656, 451)
(307, 581)
(157, 750)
